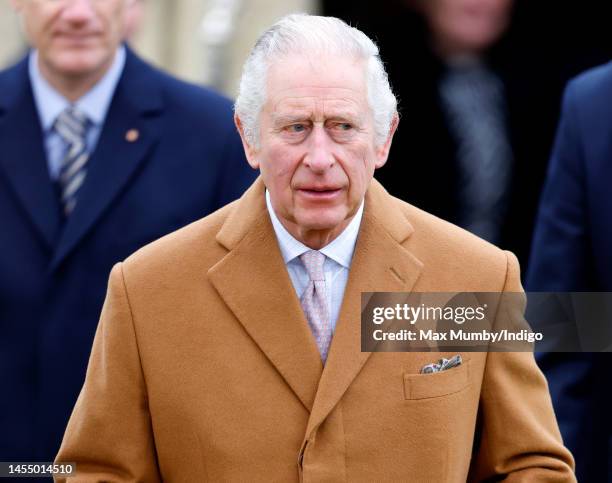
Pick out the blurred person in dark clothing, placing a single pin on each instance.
(471, 99)
(100, 153)
(479, 85)
(572, 252)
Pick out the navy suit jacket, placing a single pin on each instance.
(572, 251)
(186, 162)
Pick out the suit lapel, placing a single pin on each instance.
(135, 108)
(23, 159)
(253, 281)
(380, 264)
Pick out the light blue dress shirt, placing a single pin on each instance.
(50, 103)
(338, 257)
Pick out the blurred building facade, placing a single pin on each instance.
(203, 41)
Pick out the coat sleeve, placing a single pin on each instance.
(518, 439)
(560, 261)
(109, 434)
(559, 258)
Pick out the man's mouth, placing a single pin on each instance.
(321, 193)
(75, 38)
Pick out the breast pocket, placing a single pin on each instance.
(437, 384)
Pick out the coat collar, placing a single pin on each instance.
(379, 206)
(22, 156)
(253, 281)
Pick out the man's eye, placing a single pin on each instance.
(297, 128)
(344, 126)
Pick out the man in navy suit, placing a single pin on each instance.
(572, 251)
(99, 154)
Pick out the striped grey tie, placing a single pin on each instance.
(72, 126)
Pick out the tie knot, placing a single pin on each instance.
(71, 125)
(313, 262)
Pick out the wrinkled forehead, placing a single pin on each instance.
(307, 85)
(337, 104)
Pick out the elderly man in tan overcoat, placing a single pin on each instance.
(230, 349)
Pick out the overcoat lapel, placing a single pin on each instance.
(380, 264)
(253, 281)
(23, 160)
(135, 107)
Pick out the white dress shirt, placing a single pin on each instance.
(338, 257)
(50, 104)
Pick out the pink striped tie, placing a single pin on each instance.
(314, 301)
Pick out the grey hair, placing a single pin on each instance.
(310, 34)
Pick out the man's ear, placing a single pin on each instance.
(382, 152)
(249, 150)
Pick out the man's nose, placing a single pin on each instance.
(320, 155)
(78, 11)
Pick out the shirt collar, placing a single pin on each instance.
(339, 250)
(94, 104)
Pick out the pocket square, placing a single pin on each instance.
(442, 365)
